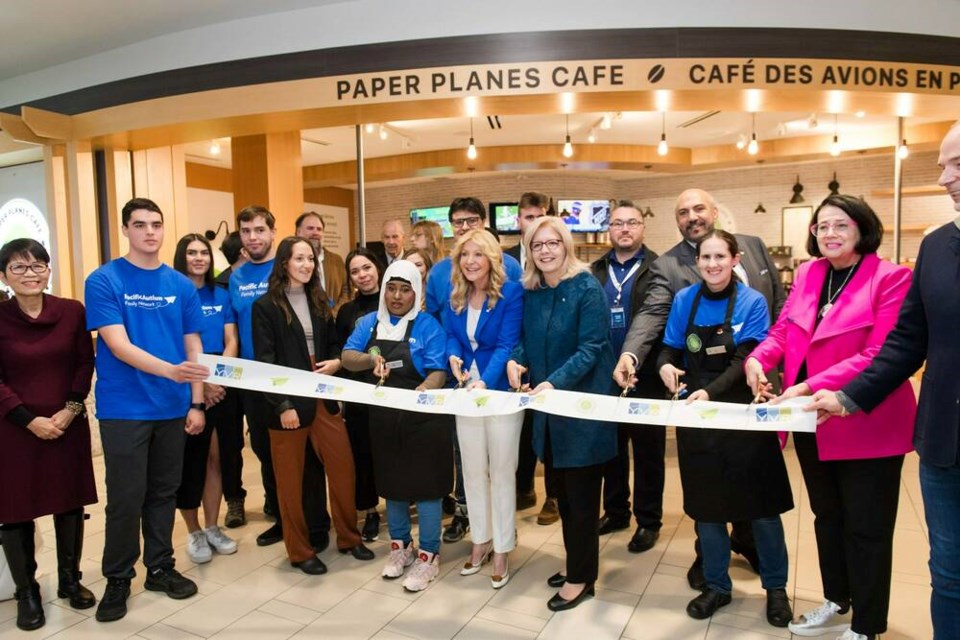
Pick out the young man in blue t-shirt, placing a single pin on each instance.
(257, 231)
(149, 394)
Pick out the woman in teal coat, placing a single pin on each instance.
(564, 345)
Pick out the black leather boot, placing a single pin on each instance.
(69, 530)
(18, 547)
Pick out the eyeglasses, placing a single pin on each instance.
(620, 224)
(824, 228)
(20, 269)
(549, 245)
(471, 222)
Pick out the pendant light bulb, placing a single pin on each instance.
(903, 150)
(754, 146)
(369, 127)
(472, 150)
(567, 148)
(662, 148)
(592, 136)
(383, 132)
(835, 147)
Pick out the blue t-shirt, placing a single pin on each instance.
(750, 320)
(247, 284)
(157, 307)
(428, 341)
(217, 312)
(439, 285)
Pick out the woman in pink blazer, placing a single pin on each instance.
(835, 320)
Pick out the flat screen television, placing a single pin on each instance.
(434, 214)
(585, 215)
(504, 215)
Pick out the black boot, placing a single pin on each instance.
(69, 530)
(18, 547)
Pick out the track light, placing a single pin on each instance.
(214, 148)
(903, 150)
(754, 146)
(662, 148)
(471, 148)
(369, 127)
(567, 146)
(592, 136)
(384, 134)
(741, 142)
(606, 121)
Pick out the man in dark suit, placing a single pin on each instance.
(625, 275)
(696, 213)
(927, 330)
(532, 205)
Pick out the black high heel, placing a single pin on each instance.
(556, 603)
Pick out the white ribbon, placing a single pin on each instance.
(258, 376)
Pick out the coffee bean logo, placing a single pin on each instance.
(656, 73)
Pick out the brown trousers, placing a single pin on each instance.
(328, 436)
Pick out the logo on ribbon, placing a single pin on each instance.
(643, 409)
(226, 371)
(279, 382)
(429, 400)
(774, 414)
(323, 387)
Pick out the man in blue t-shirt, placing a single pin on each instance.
(257, 227)
(149, 394)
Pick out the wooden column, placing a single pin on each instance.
(81, 200)
(160, 174)
(119, 178)
(55, 174)
(268, 171)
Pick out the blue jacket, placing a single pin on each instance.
(565, 341)
(438, 283)
(498, 332)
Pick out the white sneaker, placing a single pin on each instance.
(399, 559)
(820, 621)
(850, 634)
(198, 550)
(424, 572)
(219, 541)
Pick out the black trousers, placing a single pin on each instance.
(527, 462)
(143, 461)
(578, 498)
(358, 430)
(314, 475)
(229, 425)
(854, 503)
(648, 444)
(195, 453)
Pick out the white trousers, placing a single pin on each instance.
(489, 448)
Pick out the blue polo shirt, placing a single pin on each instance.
(428, 341)
(157, 307)
(247, 284)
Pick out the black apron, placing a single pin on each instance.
(727, 475)
(412, 451)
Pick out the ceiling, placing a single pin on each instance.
(73, 30)
(683, 129)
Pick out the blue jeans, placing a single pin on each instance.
(941, 504)
(771, 547)
(428, 514)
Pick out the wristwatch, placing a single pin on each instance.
(198, 405)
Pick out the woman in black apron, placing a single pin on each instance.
(412, 452)
(727, 475)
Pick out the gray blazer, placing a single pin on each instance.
(676, 269)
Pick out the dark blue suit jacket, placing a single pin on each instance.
(498, 332)
(927, 328)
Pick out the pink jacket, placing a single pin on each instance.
(844, 343)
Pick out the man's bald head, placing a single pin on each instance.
(696, 213)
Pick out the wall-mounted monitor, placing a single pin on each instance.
(585, 215)
(434, 214)
(504, 216)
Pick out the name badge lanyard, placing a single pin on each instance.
(617, 284)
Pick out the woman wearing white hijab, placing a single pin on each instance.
(412, 452)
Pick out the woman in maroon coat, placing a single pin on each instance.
(46, 362)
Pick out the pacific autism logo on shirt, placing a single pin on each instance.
(253, 289)
(211, 309)
(147, 301)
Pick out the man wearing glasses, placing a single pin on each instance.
(466, 214)
(625, 274)
(696, 212)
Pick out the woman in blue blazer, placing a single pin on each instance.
(565, 345)
(482, 322)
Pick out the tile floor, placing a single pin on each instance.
(255, 594)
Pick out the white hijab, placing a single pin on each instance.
(408, 272)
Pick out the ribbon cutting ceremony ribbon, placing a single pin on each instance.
(258, 376)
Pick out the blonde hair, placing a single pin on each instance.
(433, 232)
(490, 248)
(532, 277)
